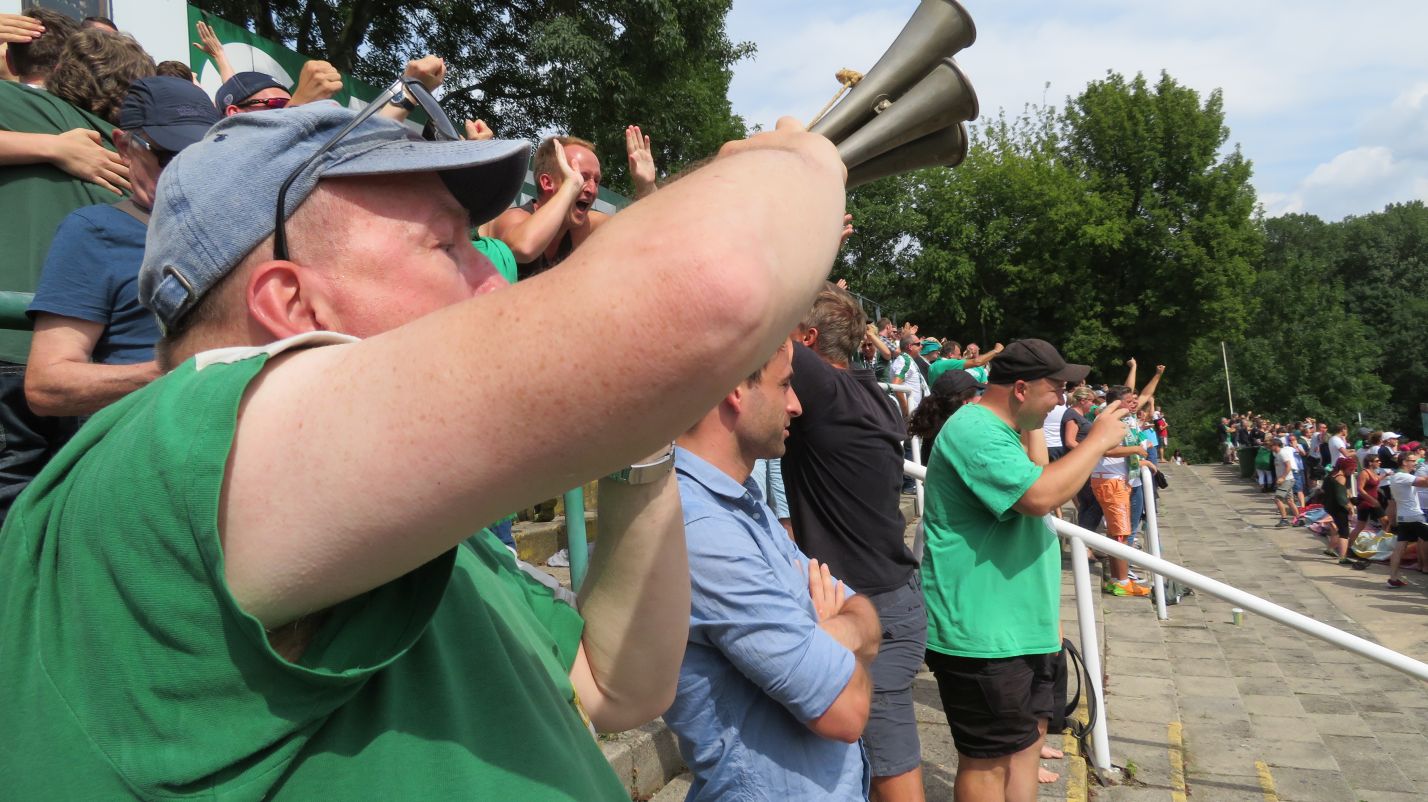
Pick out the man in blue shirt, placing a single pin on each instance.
(775, 687)
(94, 341)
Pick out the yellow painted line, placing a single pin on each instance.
(1266, 781)
(1177, 763)
(1077, 786)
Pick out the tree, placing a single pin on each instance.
(530, 66)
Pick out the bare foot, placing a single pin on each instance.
(1045, 775)
(1051, 753)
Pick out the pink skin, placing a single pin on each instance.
(423, 246)
(588, 165)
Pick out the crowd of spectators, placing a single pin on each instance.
(1342, 484)
(256, 425)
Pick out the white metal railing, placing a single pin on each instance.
(1079, 539)
(1152, 538)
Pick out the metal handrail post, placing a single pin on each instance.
(12, 311)
(575, 536)
(1090, 650)
(917, 460)
(1152, 537)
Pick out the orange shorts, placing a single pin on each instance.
(1114, 496)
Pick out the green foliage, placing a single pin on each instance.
(531, 66)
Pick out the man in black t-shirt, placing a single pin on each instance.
(843, 473)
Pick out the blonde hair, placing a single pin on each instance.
(545, 163)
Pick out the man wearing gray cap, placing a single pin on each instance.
(94, 341)
(244, 580)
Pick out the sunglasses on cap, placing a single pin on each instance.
(396, 94)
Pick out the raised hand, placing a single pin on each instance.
(568, 173)
(79, 153)
(19, 29)
(847, 230)
(1159, 369)
(478, 129)
(430, 70)
(643, 173)
(209, 43)
(319, 80)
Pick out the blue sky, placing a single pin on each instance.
(1329, 100)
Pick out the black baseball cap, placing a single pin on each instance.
(1028, 360)
(244, 85)
(955, 382)
(171, 111)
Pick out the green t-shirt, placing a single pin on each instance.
(990, 575)
(130, 671)
(979, 373)
(941, 366)
(34, 198)
(500, 255)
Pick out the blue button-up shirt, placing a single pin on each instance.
(758, 666)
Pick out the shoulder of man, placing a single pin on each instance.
(29, 110)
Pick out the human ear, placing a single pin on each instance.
(283, 303)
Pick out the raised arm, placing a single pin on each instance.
(1130, 376)
(209, 44)
(1147, 396)
(474, 450)
(982, 359)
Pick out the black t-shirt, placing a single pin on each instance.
(1387, 458)
(843, 475)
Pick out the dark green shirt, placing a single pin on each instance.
(34, 198)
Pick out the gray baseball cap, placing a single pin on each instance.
(216, 201)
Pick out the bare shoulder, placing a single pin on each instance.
(509, 219)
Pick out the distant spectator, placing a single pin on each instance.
(953, 359)
(1409, 525)
(1283, 480)
(94, 341)
(176, 69)
(1338, 505)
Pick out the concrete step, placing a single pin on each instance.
(1201, 707)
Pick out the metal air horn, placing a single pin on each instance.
(910, 110)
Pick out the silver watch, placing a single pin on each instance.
(643, 473)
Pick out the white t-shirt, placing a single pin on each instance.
(1400, 484)
(903, 367)
(1421, 472)
(1051, 427)
(1314, 444)
(1285, 464)
(1337, 445)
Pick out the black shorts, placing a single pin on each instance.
(1341, 522)
(994, 706)
(1410, 531)
(1367, 514)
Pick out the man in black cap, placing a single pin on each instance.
(991, 570)
(94, 341)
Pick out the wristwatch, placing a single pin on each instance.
(402, 102)
(644, 473)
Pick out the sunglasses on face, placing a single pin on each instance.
(269, 103)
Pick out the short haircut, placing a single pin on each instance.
(38, 57)
(1118, 392)
(175, 69)
(840, 322)
(908, 340)
(758, 375)
(951, 345)
(545, 164)
(883, 323)
(96, 69)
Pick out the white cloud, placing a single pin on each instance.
(1307, 85)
